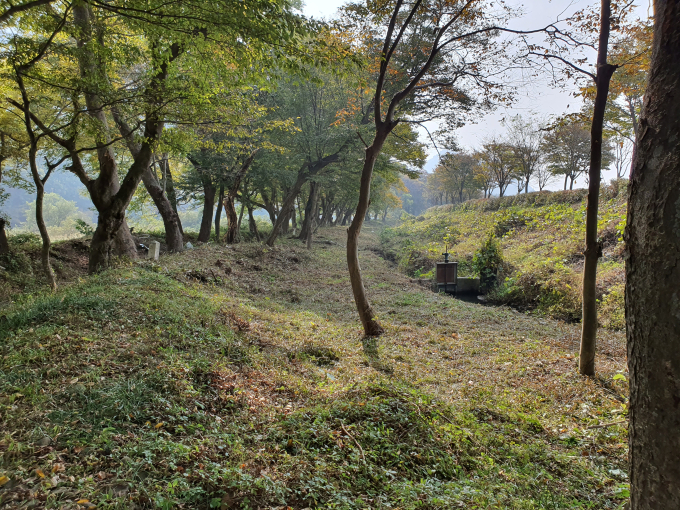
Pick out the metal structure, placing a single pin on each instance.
(447, 275)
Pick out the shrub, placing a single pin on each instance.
(486, 262)
(83, 227)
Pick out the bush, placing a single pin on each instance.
(486, 262)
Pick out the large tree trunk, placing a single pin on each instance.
(209, 191)
(593, 248)
(371, 325)
(104, 189)
(169, 183)
(653, 278)
(174, 240)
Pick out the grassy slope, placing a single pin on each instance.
(542, 239)
(177, 385)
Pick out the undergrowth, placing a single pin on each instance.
(199, 382)
(541, 235)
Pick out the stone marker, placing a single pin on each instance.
(154, 250)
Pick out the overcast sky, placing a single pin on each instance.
(534, 96)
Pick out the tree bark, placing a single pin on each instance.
(230, 200)
(4, 244)
(209, 191)
(310, 206)
(287, 203)
(218, 213)
(252, 225)
(653, 278)
(174, 238)
(40, 221)
(371, 325)
(593, 248)
(240, 217)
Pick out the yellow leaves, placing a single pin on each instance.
(40, 473)
(158, 425)
(3, 480)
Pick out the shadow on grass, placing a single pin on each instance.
(370, 345)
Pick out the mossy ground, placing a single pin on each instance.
(238, 378)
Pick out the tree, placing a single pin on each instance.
(524, 138)
(652, 276)
(567, 151)
(593, 250)
(169, 84)
(542, 176)
(499, 157)
(484, 176)
(433, 42)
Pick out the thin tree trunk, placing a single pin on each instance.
(174, 238)
(252, 225)
(653, 278)
(40, 221)
(593, 248)
(230, 200)
(218, 213)
(309, 210)
(240, 217)
(370, 323)
(288, 201)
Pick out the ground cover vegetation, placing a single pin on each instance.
(541, 238)
(220, 378)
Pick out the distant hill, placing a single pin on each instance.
(62, 183)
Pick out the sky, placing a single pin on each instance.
(534, 96)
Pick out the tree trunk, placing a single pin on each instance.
(252, 225)
(168, 182)
(105, 188)
(371, 325)
(232, 219)
(233, 232)
(309, 210)
(39, 220)
(287, 203)
(653, 276)
(4, 244)
(174, 238)
(209, 191)
(593, 248)
(218, 213)
(240, 217)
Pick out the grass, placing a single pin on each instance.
(188, 383)
(542, 238)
